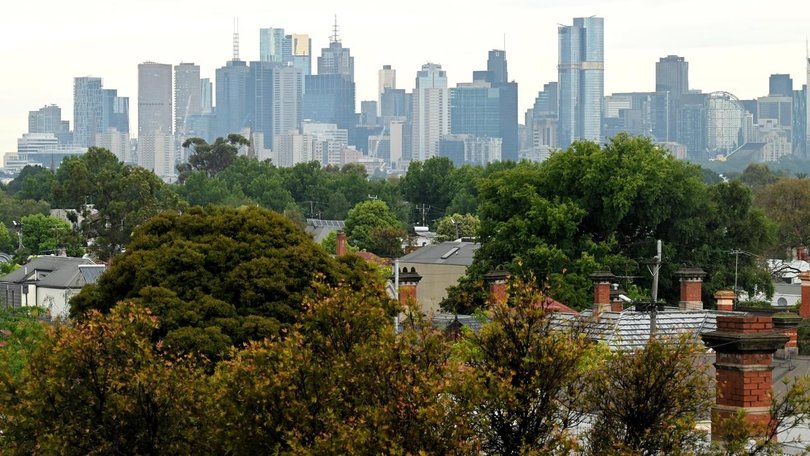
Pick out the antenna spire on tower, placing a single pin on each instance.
(235, 38)
(335, 38)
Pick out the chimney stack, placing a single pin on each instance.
(497, 285)
(691, 288)
(602, 281)
(725, 300)
(744, 346)
(408, 280)
(340, 246)
(616, 304)
(804, 308)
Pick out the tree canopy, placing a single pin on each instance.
(370, 225)
(217, 277)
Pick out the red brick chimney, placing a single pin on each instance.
(787, 323)
(691, 288)
(340, 246)
(745, 346)
(616, 303)
(602, 281)
(804, 308)
(725, 300)
(496, 280)
(408, 280)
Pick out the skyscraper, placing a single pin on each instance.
(807, 105)
(87, 110)
(329, 98)
(287, 98)
(386, 79)
(301, 49)
(496, 65)
(780, 85)
(672, 75)
(48, 119)
(114, 112)
(154, 98)
(336, 59)
(581, 80)
(234, 108)
(206, 96)
(271, 45)
(431, 111)
(187, 94)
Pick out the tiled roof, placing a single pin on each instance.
(54, 271)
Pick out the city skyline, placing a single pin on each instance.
(728, 46)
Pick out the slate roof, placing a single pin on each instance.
(454, 253)
(55, 272)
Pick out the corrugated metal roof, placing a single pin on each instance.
(433, 254)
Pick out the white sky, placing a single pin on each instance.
(731, 45)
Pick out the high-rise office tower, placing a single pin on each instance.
(234, 107)
(206, 96)
(48, 119)
(271, 45)
(780, 85)
(496, 66)
(187, 95)
(330, 98)
(114, 112)
(386, 79)
(581, 80)
(545, 105)
(431, 111)
(336, 59)
(807, 105)
(672, 75)
(87, 110)
(288, 84)
(301, 49)
(154, 98)
(260, 94)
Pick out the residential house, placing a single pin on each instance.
(48, 282)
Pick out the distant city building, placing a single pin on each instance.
(368, 112)
(545, 105)
(581, 80)
(799, 140)
(88, 103)
(287, 98)
(187, 95)
(234, 109)
(292, 148)
(330, 98)
(394, 103)
(48, 119)
(780, 85)
(469, 149)
(386, 79)
(691, 125)
(672, 75)
(206, 96)
(301, 46)
(328, 142)
(724, 121)
(157, 152)
(431, 111)
(336, 59)
(496, 66)
(41, 149)
(807, 111)
(271, 45)
(114, 111)
(154, 98)
(116, 142)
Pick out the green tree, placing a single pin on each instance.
(8, 240)
(44, 234)
(456, 226)
(124, 196)
(649, 401)
(349, 385)
(99, 386)
(787, 203)
(757, 175)
(21, 332)
(528, 377)
(428, 183)
(33, 183)
(211, 159)
(217, 277)
(370, 225)
(13, 209)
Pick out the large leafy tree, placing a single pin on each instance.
(217, 277)
(13, 209)
(595, 207)
(100, 386)
(427, 183)
(372, 226)
(44, 234)
(34, 183)
(787, 203)
(211, 159)
(124, 196)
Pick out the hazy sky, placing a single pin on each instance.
(731, 45)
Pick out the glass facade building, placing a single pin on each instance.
(88, 101)
(581, 80)
(329, 98)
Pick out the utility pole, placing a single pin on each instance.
(423, 208)
(654, 310)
